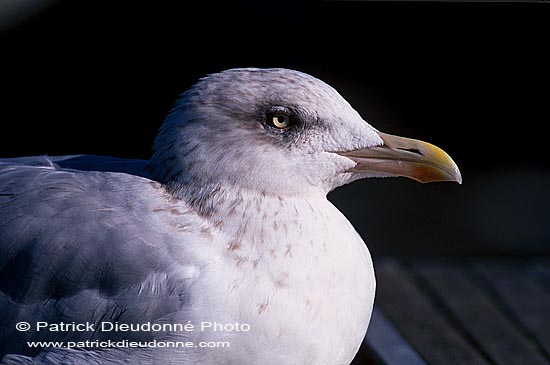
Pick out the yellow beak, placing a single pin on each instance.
(406, 157)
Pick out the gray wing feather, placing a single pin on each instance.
(84, 163)
(72, 248)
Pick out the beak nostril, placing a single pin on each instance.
(412, 150)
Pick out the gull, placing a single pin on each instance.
(226, 230)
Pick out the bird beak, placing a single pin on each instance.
(406, 157)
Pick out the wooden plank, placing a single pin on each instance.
(387, 344)
(419, 320)
(474, 310)
(527, 302)
(539, 269)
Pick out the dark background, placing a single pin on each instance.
(98, 77)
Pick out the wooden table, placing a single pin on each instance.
(460, 311)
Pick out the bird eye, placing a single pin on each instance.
(279, 120)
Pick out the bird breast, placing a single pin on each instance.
(298, 274)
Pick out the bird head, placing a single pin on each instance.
(281, 132)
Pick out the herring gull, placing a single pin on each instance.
(223, 241)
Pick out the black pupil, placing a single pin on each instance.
(280, 119)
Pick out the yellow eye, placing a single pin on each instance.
(280, 120)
